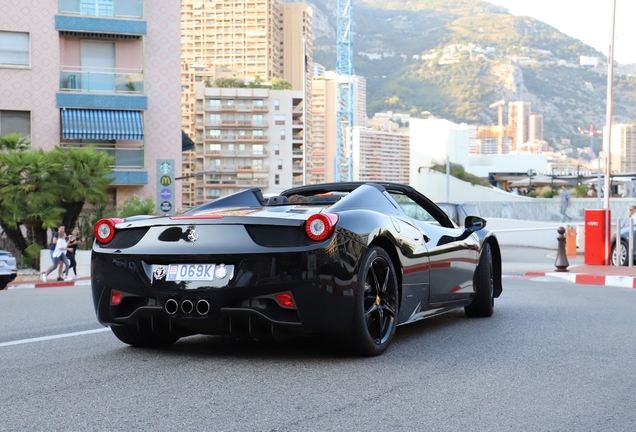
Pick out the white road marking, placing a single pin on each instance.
(45, 338)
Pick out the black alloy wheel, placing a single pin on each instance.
(132, 335)
(622, 253)
(376, 308)
(483, 302)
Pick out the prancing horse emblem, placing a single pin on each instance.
(192, 236)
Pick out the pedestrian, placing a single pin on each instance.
(59, 256)
(631, 214)
(74, 242)
(566, 201)
(54, 237)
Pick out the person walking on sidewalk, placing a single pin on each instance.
(73, 243)
(54, 237)
(59, 256)
(631, 214)
(566, 200)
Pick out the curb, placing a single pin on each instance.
(53, 284)
(590, 279)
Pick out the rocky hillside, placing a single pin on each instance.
(455, 57)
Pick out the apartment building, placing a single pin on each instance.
(518, 122)
(242, 40)
(623, 148)
(247, 138)
(102, 73)
(323, 133)
(322, 149)
(535, 127)
(380, 155)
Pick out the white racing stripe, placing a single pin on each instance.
(45, 338)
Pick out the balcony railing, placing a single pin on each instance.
(125, 158)
(103, 8)
(77, 78)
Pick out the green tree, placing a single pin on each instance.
(41, 190)
(133, 206)
(280, 84)
(14, 142)
(83, 178)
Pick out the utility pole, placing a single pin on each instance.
(608, 138)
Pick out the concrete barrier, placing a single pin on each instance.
(512, 232)
(83, 258)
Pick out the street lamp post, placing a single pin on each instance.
(608, 138)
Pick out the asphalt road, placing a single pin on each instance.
(553, 357)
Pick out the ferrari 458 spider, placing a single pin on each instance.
(349, 261)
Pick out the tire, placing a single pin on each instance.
(131, 335)
(622, 253)
(3, 285)
(376, 305)
(484, 302)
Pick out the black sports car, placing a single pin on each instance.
(350, 261)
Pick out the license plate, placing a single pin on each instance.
(190, 272)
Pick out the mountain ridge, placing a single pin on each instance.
(403, 50)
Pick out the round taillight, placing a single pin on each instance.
(105, 230)
(320, 226)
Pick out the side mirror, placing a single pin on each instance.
(474, 223)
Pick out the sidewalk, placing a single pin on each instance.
(50, 284)
(519, 261)
(578, 272)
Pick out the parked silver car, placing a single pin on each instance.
(8, 269)
(459, 210)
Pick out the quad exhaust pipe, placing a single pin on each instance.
(202, 307)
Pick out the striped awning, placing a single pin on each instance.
(102, 125)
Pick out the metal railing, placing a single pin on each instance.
(77, 78)
(110, 8)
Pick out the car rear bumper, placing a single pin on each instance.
(321, 287)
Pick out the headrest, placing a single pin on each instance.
(277, 200)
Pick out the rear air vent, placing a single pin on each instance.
(278, 236)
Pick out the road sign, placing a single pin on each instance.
(165, 187)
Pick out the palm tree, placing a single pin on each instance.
(84, 178)
(29, 196)
(14, 142)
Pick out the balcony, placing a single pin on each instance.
(258, 139)
(110, 8)
(228, 107)
(260, 109)
(297, 137)
(101, 80)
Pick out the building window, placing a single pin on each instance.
(282, 134)
(257, 103)
(257, 164)
(258, 150)
(215, 133)
(215, 164)
(280, 164)
(277, 104)
(14, 49)
(277, 179)
(258, 120)
(215, 103)
(215, 148)
(257, 133)
(276, 149)
(279, 119)
(15, 122)
(214, 119)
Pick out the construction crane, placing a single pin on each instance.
(344, 92)
(591, 133)
(499, 104)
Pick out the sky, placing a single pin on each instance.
(587, 20)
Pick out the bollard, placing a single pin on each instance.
(561, 262)
(570, 241)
